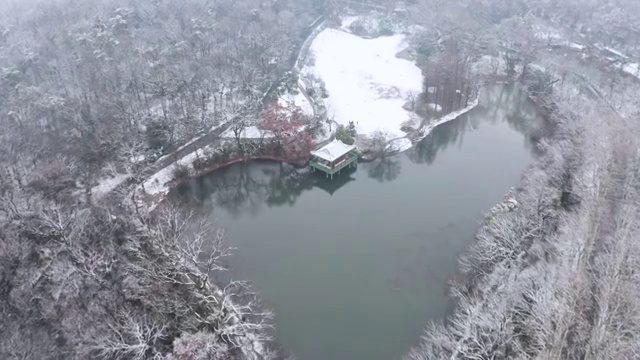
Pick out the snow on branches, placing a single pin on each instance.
(288, 125)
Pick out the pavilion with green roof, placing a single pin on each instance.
(333, 157)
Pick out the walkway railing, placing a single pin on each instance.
(353, 157)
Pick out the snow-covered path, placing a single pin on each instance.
(367, 83)
(299, 100)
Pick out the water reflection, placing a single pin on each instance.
(518, 111)
(338, 182)
(385, 168)
(245, 188)
(497, 103)
(385, 244)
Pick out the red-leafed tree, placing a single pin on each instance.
(286, 124)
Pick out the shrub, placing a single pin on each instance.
(311, 92)
(323, 90)
(407, 126)
(180, 172)
(291, 82)
(424, 50)
(385, 28)
(158, 135)
(201, 163)
(316, 128)
(346, 134)
(226, 152)
(214, 157)
(311, 59)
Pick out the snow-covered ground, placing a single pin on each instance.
(550, 36)
(488, 64)
(182, 147)
(399, 144)
(137, 159)
(366, 83)
(347, 21)
(106, 185)
(299, 99)
(158, 182)
(435, 107)
(616, 52)
(451, 116)
(575, 46)
(555, 37)
(250, 132)
(632, 69)
(253, 132)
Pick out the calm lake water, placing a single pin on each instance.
(355, 267)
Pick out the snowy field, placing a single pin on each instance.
(367, 84)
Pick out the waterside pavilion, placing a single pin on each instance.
(333, 157)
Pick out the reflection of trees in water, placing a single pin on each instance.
(518, 110)
(234, 188)
(245, 188)
(384, 168)
(498, 103)
(285, 188)
(444, 135)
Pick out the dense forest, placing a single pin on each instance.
(90, 88)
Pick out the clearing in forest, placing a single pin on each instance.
(366, 82)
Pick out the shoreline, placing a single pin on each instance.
(156, 199)
(160, 183)
(153, 201)
(425, 130)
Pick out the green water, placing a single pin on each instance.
(355, 267)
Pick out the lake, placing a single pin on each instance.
(355, 267)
